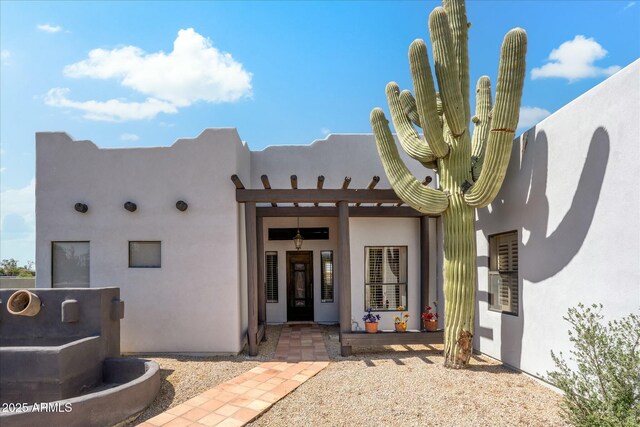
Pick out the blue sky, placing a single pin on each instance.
(279, 72)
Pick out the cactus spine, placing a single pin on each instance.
(471, 170)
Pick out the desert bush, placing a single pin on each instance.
(602, 385)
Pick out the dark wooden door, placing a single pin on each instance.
(299, 285)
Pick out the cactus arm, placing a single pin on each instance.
(504, 120)
(447, 71)
(482, 121)
(457, 13)
(406, 186)
(408, 103)
(409, 139)
(426, 98)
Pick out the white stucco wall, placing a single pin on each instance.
(194, 302)
(571, 194)
(353, 155)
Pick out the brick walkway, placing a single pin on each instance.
(300, 355)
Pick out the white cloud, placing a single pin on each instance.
(48, 28)
(574, 60)
(2, 169)
(113, 110)
(194, 71)
(530, 116)
(129, 137)
(20, 202)
(629, 5)
(4, 55)
(325, 131)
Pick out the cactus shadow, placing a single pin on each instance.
(524, 200)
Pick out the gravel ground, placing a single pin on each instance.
(184, 377)
(392, 386)
(389, 386)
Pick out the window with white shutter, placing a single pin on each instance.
(385, 277)
(326, 272)
(271, 276)
(503, 273)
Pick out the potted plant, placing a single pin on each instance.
(429, 319)
(371, 322)
(401, 321)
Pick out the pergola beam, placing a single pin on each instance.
(330, 211)
(372, 184)
(320, 184)
(316, 196)
(294, 185)
(236, 181)
(267, 186)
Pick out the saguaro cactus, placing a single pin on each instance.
(471, 170)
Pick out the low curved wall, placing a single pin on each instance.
(139, 383)
(48, 373)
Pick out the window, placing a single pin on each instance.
(503, 273)
(385, 277)
(271, 275)
(144, 255)
(70, 264)
(326, 271)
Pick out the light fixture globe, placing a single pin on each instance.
(297, 240)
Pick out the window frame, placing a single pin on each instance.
(266, 277)
(322, 278)
(406, 275)
(492, 258)
(159, 242)
(53, 242)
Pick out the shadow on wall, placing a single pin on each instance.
(524, 196)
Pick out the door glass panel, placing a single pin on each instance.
(299, 284)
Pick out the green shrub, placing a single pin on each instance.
(605, 388)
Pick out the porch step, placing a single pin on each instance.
(350, 339)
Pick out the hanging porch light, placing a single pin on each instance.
(298, 239)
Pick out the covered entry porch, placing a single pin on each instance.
(341, 205)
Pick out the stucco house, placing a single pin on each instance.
(199, 236)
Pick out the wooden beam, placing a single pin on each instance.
(344, 272)
(330, 211)
(262, 294)
(424, 262)
(267, 186)
(372, 184)
(294, 185)
(261, 333)
(316, 196)
(237, 182)
(320, 184)
(252, 276)
(345, 184)
(347, 181)
(391, 338)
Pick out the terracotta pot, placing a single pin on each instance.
(23, 303)
(430, 325)
(371, 327)
(401, 327)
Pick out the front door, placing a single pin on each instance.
(299, 285)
